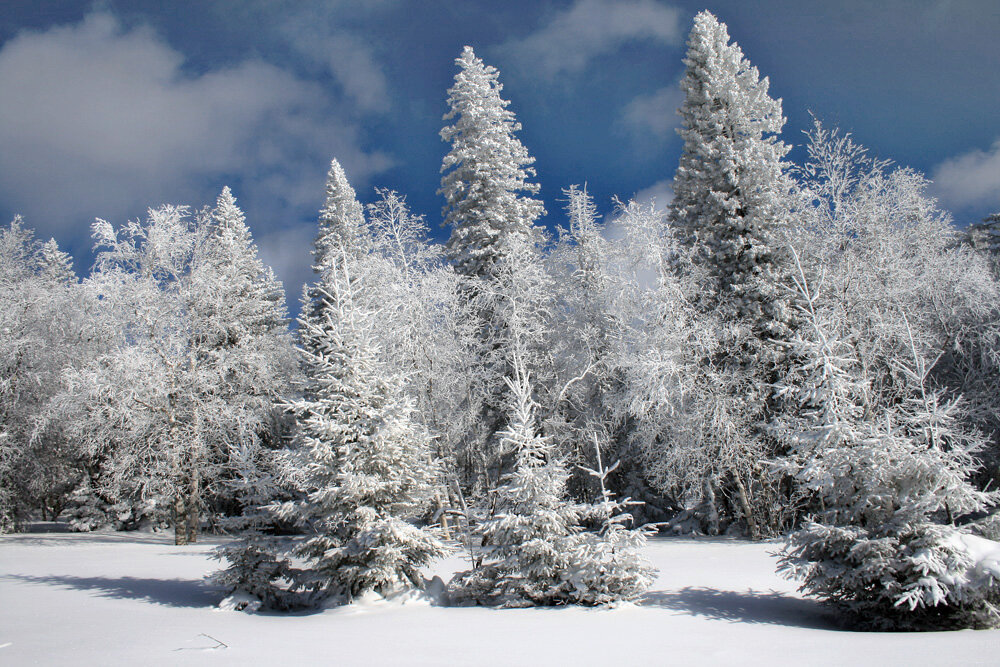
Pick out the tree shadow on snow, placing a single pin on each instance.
(747, 607)
(187, 593)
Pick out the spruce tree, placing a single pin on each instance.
(885, 485)
(732, 207)
(495, 244)
(526, 540)
(364, 462)
(985, 235)
(486, 172)
(55, 265)
(244, 327)
(729, 189)
(341, 220)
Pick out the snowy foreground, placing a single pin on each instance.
(116, 598)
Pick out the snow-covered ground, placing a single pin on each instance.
(127, 599)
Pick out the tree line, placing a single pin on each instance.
(805, 349)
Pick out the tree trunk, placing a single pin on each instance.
(180, 526)
(193, 518)
(741, 491)
(709, 508)
(442, 508)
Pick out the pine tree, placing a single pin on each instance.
(364, 461)
(985, 235)
(732, 205)
(243, 331)
(884, 486)
(610, 566)
(485, 171)
(494, 243)
(534, 547)
(729, 189)
(341, 220)
(526, 540)
(54, 264)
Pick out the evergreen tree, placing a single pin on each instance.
(985, 235)
(485, 171)
(525, 541)
(534, 547)
(364, 460)
(244, 327)
(732, 205)
(884, 485)
(729, 191)
(54, 264)
(341, 220)
(494, 243)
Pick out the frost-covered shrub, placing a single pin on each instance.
(883, 483)
(535, 550)
(259, 573)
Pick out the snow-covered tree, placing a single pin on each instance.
(341, 220)
(534, 550)
(259, 572)
(48, 323)
(55, 265)
(732, 206)
(425, 331)
(486, 172)
(494, 243)
(985, 235)
(589, 331)
(194, 372)
(730, 193)
(364, 461)
(884, 486)
(525, 540)
(610, 566)
(889, 261)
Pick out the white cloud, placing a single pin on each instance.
(99, 120)
(344, 56)
(591, 28)
(970, 180)
(654, 114)
(659, 194)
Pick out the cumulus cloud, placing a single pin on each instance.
(592, 28)
(658, 195)
(100, 120)
(654, 114)
(346, 57)
(970, 180)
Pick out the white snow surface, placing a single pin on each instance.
(129, 599)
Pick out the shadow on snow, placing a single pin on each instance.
(186, 593)
(747, 607)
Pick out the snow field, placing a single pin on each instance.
(128, 599)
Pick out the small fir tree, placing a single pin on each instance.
(364, 461)
(525, 540)
(884, 487)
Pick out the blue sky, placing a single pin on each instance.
(109, 107)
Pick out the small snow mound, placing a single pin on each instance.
(434, 593)
(240, 601)
(985, 554)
